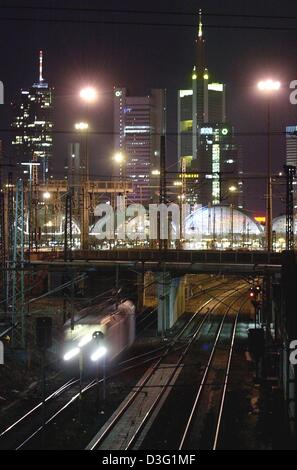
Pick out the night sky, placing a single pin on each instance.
(142, 57)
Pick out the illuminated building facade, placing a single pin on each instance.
(201, 103)
(291, 153)
(139, 122)
(291, 145)
(219, 158)
(202, 145)
(33, 123)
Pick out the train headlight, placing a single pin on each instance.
(71, 354)
(99, 353)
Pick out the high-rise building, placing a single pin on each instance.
(139, 122)
(206, 144)
(291, 153)
(219, 157)
(291, 145)
(34, 126)
(202, 103)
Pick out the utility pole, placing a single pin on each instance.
(269, 183)
(9, 230)
(68, 227)
(18, 295)
(163, 244)
(2, 236)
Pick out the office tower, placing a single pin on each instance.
(202, 103)
(291, 145)
(219, 157)
(33, 125)
(139, 122)
(291, 153)
(203, 149)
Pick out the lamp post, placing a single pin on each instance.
(119, 159)
(232, 189)
(83, 127)
(88, 94)
(269, 87)
(46, 196)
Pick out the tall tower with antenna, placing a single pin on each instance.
(33, 124)
(202, 102)
(205, 146)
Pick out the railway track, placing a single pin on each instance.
(126, 428)
(28, 428)
(195, 424)
(213, 388)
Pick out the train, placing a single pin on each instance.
(115, 326)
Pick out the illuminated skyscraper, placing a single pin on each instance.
(202, 103)
(139, 122)
(291, 145)
(202, 146)
(33, 124)
(291, 153)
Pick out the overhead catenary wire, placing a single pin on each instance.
(146, 12)
(154, 24)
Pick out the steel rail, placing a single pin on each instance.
(203, 380)
(226, 381)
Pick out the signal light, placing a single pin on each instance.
(254, 291)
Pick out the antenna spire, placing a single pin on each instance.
(200, 27)
(40, 66)
(200, 50)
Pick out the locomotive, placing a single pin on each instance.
(117, 329)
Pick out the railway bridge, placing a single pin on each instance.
(169, 267)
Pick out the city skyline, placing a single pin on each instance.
(148, 228)
(242, 116)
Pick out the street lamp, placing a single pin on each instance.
(88, 94)
(46, 195)
(81, 126)
(269, 87)
(120, 159)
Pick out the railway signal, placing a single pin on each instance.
(255, 291)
